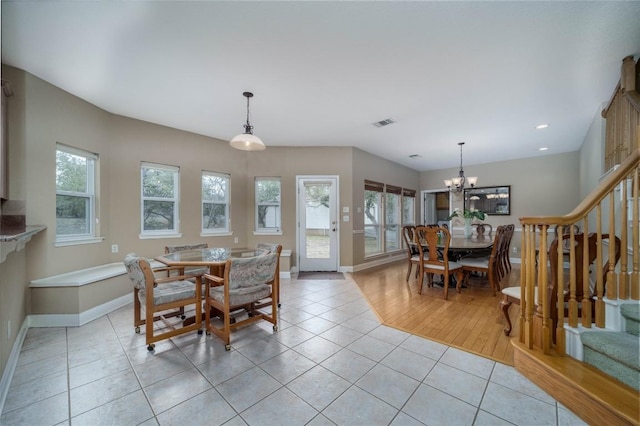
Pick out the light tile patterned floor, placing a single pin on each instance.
(331, 362)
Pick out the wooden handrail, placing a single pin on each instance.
(592, 199)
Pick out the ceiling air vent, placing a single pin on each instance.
(383, 123)
(414, 156)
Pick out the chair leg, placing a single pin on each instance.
(409, 271)
(459, 278)
(446, 287)
(504, 305)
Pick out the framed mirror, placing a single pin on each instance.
(493, 200)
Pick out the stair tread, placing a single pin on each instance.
(623, 347)
(631, 311)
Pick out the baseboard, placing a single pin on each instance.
(75, 320)
(12, 362)
(585, 390)
(379, 262)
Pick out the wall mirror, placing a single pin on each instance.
(493, 200)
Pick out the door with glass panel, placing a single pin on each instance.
(317, 223)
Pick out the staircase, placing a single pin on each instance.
(617, 353)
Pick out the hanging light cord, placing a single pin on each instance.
(248, 128)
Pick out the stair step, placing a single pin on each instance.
(614, 353)
(631, 314)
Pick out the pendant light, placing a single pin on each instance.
(247, 141)
(456, 184)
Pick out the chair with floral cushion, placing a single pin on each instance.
(246, 280)
(162, 298)
(270, 248)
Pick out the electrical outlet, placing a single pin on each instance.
(114, 248)
(235, 240)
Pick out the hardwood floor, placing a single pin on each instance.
(470, 320)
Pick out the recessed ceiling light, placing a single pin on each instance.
(541, 126)
(544, 148)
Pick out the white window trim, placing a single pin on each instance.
(164, 233)
(227, 201)
(256, 229)
(90, 237)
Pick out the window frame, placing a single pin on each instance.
(161, 233)
(90, 194)
(227, 202)
(268, 231)
(378, 188)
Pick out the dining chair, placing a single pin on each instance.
(162, 298)
(512, 294)
(433, 247)
(488, 264)
(246, 280)
(270, 248)
(413, 255)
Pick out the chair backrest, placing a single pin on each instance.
(135, 272)
(433, 244)
(250, 271)
(592, 254)
(408, 235)
(183, 247)
(271, 248)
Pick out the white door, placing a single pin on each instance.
(318, 223)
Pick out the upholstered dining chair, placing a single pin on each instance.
(270, 248)
(162, 298)
(433, 246)
(413, 255)
(488, 264)
(246, 280)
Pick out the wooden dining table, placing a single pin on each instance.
(460, 246)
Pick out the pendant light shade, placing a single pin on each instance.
(247, 141)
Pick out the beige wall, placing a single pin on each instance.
(370, 167)
(540, 186)
(13, 301)
(288, 163)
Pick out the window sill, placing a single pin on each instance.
(267, 232)
(79, 241)
(158, 236)
(216, 234)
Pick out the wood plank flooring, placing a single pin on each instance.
(471, 320)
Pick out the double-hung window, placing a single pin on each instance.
(160, 200)
(392, 216)
(408, 207)
(373, 192)
(215, 203)
(267, 205)
(75, 194)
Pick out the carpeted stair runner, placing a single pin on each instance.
(617, 353)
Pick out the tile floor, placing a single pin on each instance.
(331, 362)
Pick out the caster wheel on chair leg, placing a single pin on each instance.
(279, 304)
(208, 333)
(137, 330)
(200, 331)
(275, 328)
(227, 347)
(183, 317)
(151, 347)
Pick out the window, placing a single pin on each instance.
(215, 203)
(372, 217)
(75, 193)
(267, 205)
(408, 207)
(392, 211)
(388, 208)
(160, 199)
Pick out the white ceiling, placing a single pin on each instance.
(322, 72)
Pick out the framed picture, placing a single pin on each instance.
(492, 200)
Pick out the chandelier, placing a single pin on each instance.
(247, 141)
(457, 184)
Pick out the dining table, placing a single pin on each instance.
(460, 246)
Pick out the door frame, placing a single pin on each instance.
(433, 191)
(335, 207)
